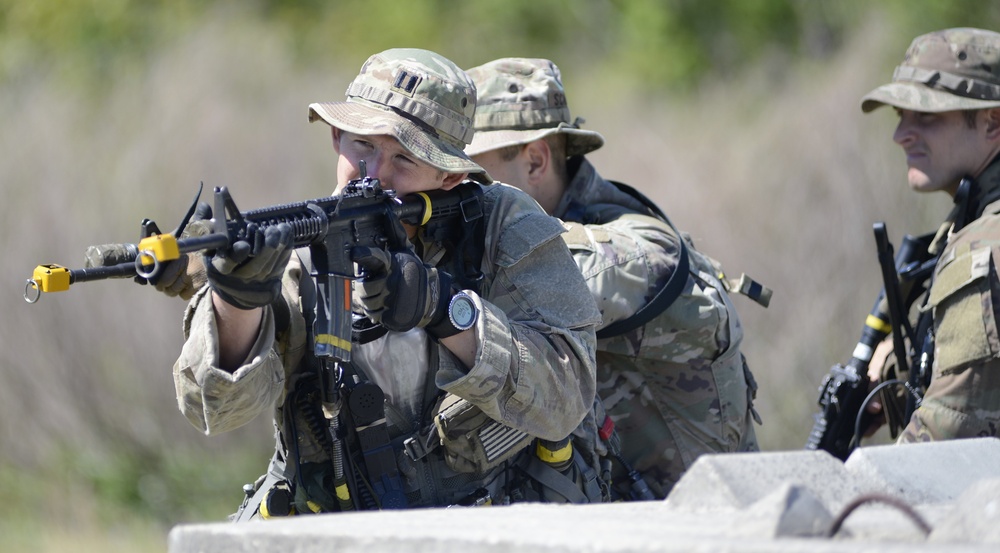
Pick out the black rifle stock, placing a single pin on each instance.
(329, 227)
(845, 390)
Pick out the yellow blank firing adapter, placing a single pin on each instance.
(46, 278)
(50, 278)
(159, 247)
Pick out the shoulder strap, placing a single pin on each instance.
(578, 487)
(642, 198)
(669, 292)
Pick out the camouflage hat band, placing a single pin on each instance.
(955, 84)
(578, 141)
(520, 116)
(915, 96)
(456, 131)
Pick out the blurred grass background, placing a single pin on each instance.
(740, 117)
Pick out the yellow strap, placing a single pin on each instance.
(878, 324)
(553, 457)
(334, 341)
(427, 208)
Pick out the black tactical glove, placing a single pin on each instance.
(248, 275)
(400, 291)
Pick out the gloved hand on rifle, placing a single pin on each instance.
(248, 273)
(400, 291)
(185, 276)
(181, 277)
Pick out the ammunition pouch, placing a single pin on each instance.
(472, 442)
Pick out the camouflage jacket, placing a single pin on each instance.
(963, 399)
(534, 368)
(677, 387)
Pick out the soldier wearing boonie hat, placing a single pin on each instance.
(627, 250)
(413, 96)
(516, 356)
(954, 69)
(528, 105)
(947, 94)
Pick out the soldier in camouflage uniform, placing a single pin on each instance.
(946, 93)
(527, 361)
(677, 386)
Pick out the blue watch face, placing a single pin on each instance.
(462, 312)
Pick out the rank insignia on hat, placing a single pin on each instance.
(406, 83)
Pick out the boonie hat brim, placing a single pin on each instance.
(578, 141)
(917, 97)
(364, 118)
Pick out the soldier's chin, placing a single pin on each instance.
(919, 181)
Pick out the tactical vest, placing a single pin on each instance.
(458, 448)
(931, 287)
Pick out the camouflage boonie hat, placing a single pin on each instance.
(520, 101)
(953, 69)
(417, 96)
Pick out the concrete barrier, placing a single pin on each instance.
(775, 502)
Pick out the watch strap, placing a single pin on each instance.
(441, 326)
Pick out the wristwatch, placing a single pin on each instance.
(461, 314)
(462, 311)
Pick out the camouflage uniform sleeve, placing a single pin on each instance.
(535, 367)
(216, 401)
(963, 399)
(624, 261)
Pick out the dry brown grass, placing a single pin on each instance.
(776, 174)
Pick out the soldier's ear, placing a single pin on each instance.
(539, 158)
(451, 180)
(993, 123)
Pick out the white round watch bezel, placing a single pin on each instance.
(462, 311)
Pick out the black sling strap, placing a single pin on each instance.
(668, 293)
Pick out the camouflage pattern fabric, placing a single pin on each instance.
(422, 85)
(534, 364)
(521, 100)
(677, 387)
(953, 69)
(534, 369)
(963, 399)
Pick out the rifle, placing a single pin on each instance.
(844, 392)
(362, 215)
(329, 227)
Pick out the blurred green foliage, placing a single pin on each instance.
(653, 43)
(127, 493)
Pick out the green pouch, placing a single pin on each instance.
(965, 329)
(472, 441)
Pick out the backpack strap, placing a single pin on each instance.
(670, 291)
(663, 300)
(744, 285)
